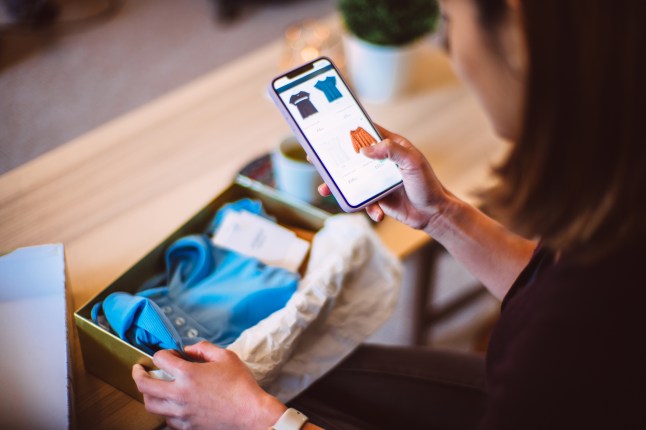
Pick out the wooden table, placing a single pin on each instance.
(114, 193)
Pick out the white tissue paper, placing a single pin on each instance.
(350, 289)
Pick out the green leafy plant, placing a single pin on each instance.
(389, 22)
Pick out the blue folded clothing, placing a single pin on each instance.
(207, 293)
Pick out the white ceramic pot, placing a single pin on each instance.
(379, 73)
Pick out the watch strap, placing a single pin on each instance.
(290, 420)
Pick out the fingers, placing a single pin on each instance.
(170, 362)
(176, 423)
(375, 212)
(405, 158)
(400, 140)
(205, 351)
(386, 134)
(375, 151)
(324, 190)
(159, 406)
(148, 385)
(381, 150)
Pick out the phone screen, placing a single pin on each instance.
(337, 128)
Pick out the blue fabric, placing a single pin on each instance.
(207, 292)
(139, 321)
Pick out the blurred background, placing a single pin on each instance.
(122, 52)
(71, 66)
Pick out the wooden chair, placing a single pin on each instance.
(425, 313)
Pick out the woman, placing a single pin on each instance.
(563, 79)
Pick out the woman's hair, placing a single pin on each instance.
(577, 176)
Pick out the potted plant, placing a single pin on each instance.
(381, 43)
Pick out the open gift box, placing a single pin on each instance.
(111, 358)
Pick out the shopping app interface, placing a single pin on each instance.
(337, 129)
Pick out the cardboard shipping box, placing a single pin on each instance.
(35, 326)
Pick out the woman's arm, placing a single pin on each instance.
(490, 252)
(218, 391)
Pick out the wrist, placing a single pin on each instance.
(269, 410)
(443, 216)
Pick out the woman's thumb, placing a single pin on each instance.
(387, 149)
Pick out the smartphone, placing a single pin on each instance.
(332, 127)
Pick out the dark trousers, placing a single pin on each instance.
(379, 387)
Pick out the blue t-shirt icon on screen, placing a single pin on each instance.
(328, 87)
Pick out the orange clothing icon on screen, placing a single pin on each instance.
(360, 139)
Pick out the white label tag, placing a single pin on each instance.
(257, 237)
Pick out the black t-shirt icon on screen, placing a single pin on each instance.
(302, 101)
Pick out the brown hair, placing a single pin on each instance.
(577, 176)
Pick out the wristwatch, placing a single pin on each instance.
(290, 420)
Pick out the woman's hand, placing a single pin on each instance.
(219, 392)
(489, 251)
(422, 197)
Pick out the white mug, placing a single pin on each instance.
(293, 173)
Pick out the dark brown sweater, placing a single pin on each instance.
(569, 351)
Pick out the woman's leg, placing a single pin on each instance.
(379, 387)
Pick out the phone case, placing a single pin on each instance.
(302, 139)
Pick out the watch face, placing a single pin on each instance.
(290, 420)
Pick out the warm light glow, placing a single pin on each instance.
(307, 40)
(309, 53)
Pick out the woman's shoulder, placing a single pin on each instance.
(568, 281)
(615, 277)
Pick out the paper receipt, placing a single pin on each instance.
(258, 237)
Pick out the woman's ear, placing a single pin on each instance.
(514, 41)
(514, 4)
